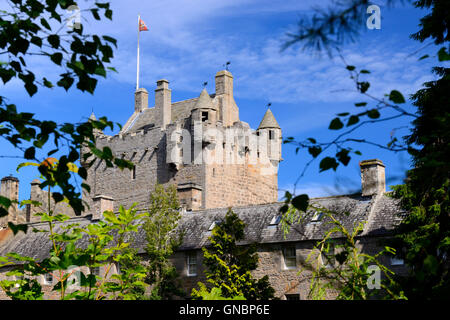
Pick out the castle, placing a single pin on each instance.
(216, 161)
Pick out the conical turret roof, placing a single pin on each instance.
(204, 101)
(269, 121)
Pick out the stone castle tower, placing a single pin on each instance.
(199, 144)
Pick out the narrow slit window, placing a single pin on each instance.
(271, 135)
(133, 173)
(204, 116)
(48, 278)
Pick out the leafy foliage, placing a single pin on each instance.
(424, 235)
(213, 294)
(33, 27)
(67, 257)
(229, 265)
(162, 241)
(422, 238)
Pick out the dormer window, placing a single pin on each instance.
(213, 225)
(275, 220)
(317, 217)
(204, 116)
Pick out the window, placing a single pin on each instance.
(192, 264)
(292, 297)
(317, 217)
(48, 278)
(215, 223)
(95, 271)
(118, 268)
(396, 261)
(271, 135)
(204, 116)
(275, 220)
(133, 173)
(327, 256)
(290, 258)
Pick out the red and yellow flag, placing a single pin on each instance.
(142, 26)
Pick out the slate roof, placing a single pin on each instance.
(381, 215)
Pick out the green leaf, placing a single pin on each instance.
(431, 264)
(423, 57)
(30, 153)
(18, 227)
(396, 97)
(314, 151)
(100, 71)
(108, 14)
(363, 86)
(361, 104)
(5, 202)
(328, 163)
(56, 58)
(352, 120)
(350, 68)
(53, 39)
(45, 24)
(301, 202)
(95, 14)
(58, 197)
(336, 124)
(364, 71)
(3, 212)
(373, 114)
(343, 157)
(443, 55)
(47, 83)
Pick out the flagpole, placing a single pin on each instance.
(137, 72)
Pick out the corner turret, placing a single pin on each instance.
(270, 129)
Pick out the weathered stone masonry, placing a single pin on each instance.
(216, 161)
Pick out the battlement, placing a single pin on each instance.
(197, 142)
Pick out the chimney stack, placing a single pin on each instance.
(373, 180)
(163, 103)
(140, 100)
(228, 110)
(102, 203)
(10, 189)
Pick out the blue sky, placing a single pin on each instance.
(189, 41)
